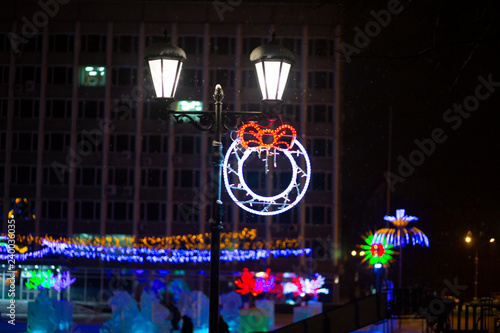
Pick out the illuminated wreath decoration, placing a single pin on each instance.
(253, 140)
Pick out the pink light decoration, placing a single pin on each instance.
(311, 287)
(62, 281)
(249, 284)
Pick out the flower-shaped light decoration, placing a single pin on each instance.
(400, 235)
(40, 279)
(255, 285)
(377, 253)
(62, 281)
(302, 287)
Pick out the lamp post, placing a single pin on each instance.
(469, 239)
(273, 63)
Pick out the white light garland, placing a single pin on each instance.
(270, 205)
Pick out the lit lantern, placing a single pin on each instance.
(165, 64)
(273, 63)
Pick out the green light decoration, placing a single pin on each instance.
(377, 252)
(46, 279)
(40, 279)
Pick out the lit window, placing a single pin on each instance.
(92, 76)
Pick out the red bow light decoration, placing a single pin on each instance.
(253, 136)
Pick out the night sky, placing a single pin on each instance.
(423, 65)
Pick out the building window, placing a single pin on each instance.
(27, 74)
(25, 141)
(55, 209)
(191, 45)
(58, 108)
(92, 76)
(320, 80)
(120, 211)
(320, 113)
(23, 175)
(34, 44)
(56, 141)
(153, 178)
(4, 102)
(246, 217)
(249, 79)
(187, 178)
(149, 111)
(61, 43)
(321, 47)
(187, 145)
(124, 109)
(126, 44)
(94, 43)
(256, 180)
(121, 142)
(124, 76)
(288, 217)
(26, 108)
(292, 112)
(121, 176)
(250, 43)
(318, 215)
(224, 77)
(5, 44)
(320, 147)
(186, 212)
(91, 109)
(60, 75)
(222, 45)
(321, 181)
(153, 211)
(3, 140)
(4, 74)
(157, 39)
(87, 210)
(88, 176)
(281, 180)
(51, 177)
(294, 80)
(154, 143)
(89, 141)
(191, 78)
(293, 44)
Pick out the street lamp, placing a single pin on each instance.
(273, 64)
(469, 239)
(165, 64)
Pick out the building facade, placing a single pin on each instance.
(84, 148)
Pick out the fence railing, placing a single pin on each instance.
(446, 314)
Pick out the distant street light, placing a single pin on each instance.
(469, 239)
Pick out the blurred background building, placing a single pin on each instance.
(85, 150)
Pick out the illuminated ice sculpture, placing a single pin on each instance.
(265, 144)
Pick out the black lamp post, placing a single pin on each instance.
(475, 241)
(273, 64)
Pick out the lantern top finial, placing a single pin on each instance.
(165, 49)
(272, 51)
